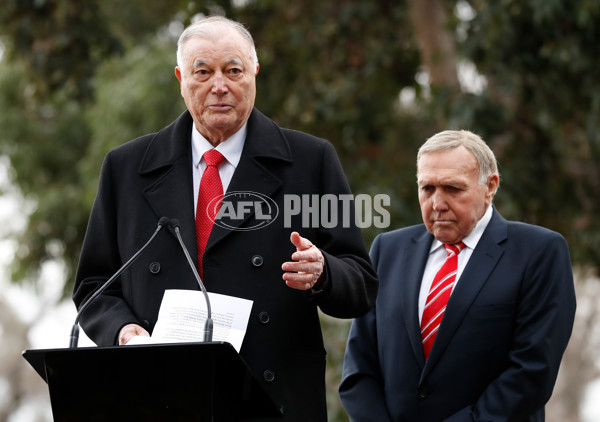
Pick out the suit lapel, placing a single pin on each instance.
(486, 255)
(414, 260)
(167, 167)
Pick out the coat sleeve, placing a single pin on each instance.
(362, 388)
(100, 259)
(351, 283)
(543, 326)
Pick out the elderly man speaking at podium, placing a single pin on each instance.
(222, 144)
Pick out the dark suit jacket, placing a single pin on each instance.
(498, 349)
(151, 177)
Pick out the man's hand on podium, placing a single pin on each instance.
(130, 331)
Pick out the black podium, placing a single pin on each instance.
(163, 382)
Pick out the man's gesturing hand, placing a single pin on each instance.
(306, 268)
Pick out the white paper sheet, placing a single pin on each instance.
(182, 316)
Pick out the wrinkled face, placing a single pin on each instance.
(218, 84)
(452, 201)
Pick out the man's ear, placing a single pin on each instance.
(492, 185)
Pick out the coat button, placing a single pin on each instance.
(269, 375)
(257, 260)
(423, 392)
(264, 317)
(154, 267)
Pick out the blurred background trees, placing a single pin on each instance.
(376, 78)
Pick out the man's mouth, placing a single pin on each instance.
(220, 107)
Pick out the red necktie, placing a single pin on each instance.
(438, 296)
(208, 207)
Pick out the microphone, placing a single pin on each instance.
(208, 326)
(74, 338)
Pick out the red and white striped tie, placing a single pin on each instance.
(211, 187)
(438, 296)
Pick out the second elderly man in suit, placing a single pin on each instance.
(474, 312)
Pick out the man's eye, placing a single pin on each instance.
(453, 190)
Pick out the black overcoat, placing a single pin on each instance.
(151, 177)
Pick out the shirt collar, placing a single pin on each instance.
(472, 238)
(231, 148)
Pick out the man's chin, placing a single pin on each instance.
(445, 234)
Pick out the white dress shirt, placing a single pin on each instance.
(437, 257)
(231, 149)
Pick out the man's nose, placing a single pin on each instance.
(219, 86)
(439, 201)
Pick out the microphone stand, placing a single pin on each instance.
(74, 338)
(208, 326)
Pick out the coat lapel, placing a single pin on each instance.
(414, 260)
(167, 167)
(486, 255)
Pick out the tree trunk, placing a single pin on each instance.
(438, 51)
(436, 41)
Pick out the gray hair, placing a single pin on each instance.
(213, 28)
(450, 139)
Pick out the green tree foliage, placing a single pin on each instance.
(44, 140)
(60, 41)
(541, 112)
